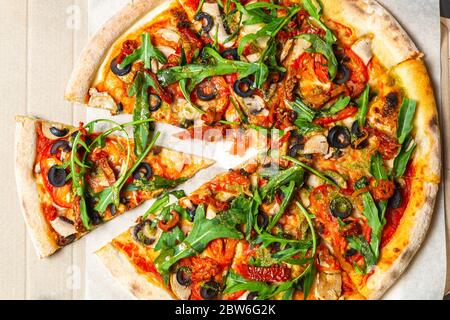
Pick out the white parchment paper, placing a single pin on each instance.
(424, 278)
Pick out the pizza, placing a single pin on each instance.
(70, 179)
(335, 97)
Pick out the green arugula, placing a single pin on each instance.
(340, 104)
(294, 174)
(160, 203)
(360, 244)
(363, 104)
(146, 52)
(405, 118)
(402, 159)
(156, 183)
(288, 192)
(312, 170)
(325, 48)
(316, 13)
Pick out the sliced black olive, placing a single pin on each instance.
(356, 130)
(155, 102)
(210, 290)
(59, 132)
(112, 209)
(294, 149)
(119, 107)
(142, 232)
(243, 172)
(397, 198)
(252, 295)
(233, 53)
(61, 144)
(343, 74)
(115, 68)
(262, 220)
(204, 94)
(339, 137)
(244, 87)
(206, 20)
(144, 170)
(350, 252)
(57, 176)
(184, 276)
(341, 207)
(64, 241)
(191, 211)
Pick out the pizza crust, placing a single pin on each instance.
(391, 44)
(93, 54)
(410, 234)
(140, 285)
(25, 155)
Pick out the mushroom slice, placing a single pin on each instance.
(316, 144)
(255, 105)
(180, 291)
(102, 100)
(168, 34)
(363, 49)
(328, 286)
(63, 226)
(167, 51)
(286, 49)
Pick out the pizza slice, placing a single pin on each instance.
(66, 191)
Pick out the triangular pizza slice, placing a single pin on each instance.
(66, 191)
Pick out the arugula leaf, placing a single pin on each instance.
(252, 212)
(266, 239)
(203, 232)
(325, 48)
(405, 118)
(288, 191)
(170, 239)
(340, 104)
(312, 170)
(303, 111)
(402, 159)
(360, 244)
(363, 104)
(156, 183)
(161, 202)
(236, 282)
(377, 167)
(316, 14)
(146, 52)
(183, 84)
(374, 221)
(294, 173)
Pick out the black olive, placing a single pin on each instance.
(357, 133)
(154, 102)
(205, 95)
(57, 176)
(139, 233)
(61, 144)
(59, 132)
(350, 252)
(362, 145)
(262, 220)
(392, 100)
(210, 290)
(184, 276)
(243, 172)
(339, 137)
(112, 209)
(139, 174)
(341, 207)
(252, 295)
(191, 211)
(119, 107)
(233, 53)
(64, 241)
(206, 19)
(243, 87)
(294, 149)
(74, 134)
(300, 284)
(115, 68)
(356, 130)
(343, 74)
(397, 198)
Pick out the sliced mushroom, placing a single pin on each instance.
(218, 30)
(169, 34)
(102, 100)
(287, 46)
(314, 181)
(63, 226)
(181, 292)
(256, 105)
(253, 57)
(363, 49)
(316, 144)
(167, 51)
(328, 286)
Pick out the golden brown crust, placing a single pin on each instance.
(140, 285)
(25, 154)
(93, 54)
(411, 232)
(413, 78)
(391, 44)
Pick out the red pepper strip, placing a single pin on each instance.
(171, 223)
(341, 115)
